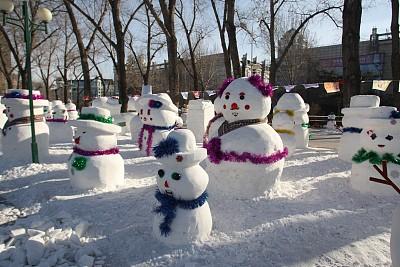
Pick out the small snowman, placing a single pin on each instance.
(72, 112)
(48, 111)
(60, 130)
(241, 144)
(331, 123)
(360, 107)
(157, 117)
(17, 137)
(183, 216)
(95, 161)
(380, 141)
(283, 121)
(3, 120)
(302, 125)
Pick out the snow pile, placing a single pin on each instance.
(42, 242)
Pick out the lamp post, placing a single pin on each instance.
(27, 25)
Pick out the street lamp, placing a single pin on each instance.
(43, 16)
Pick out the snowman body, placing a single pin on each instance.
(352, 121)
(101, 171)
(395, 239)
(253, 150)
(60, 130)
(3, 119)
(331, 124)
(182, 179)
(380, 137)
(283, 124)
(17, 138)
(157, 117)
(301, 129)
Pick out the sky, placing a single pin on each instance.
(376, 13)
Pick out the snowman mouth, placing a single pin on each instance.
(235, 113)
(381, 146)
(169, 192)
(77, 140)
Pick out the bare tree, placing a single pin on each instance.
(168, 27)
(231, 30)
(394, 27)
(221, 23)
(350, 49)
(269, 20)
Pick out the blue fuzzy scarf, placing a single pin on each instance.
(352, 130)
(169, 205)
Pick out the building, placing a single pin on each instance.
(211, 70)
(76, 89)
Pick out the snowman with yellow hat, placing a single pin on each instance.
(95, 161)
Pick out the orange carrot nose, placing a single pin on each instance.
(166, 184)
(234, 106)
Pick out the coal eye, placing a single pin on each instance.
(176, 176)
(389, 137)
(226, 97)
(373, 136)
(141, 111)
(83, 132)
(161, 173)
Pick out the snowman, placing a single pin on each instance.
(360, 106)
(3, 119)
(379, 140)
(17, 137)
(183, 215)
(331, 124)
(302, 125)
(157, 117)
(241, 144)
(60, 130)
(284, 123)
(95, 161)
(48, 111)
(72, 112)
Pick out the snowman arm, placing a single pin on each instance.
(384, 174)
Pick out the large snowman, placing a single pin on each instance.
(183, 216)
(395, 238)
(379, 140)
(157, 117)
(95, 161)
(72, 112)
(360, 107)
(284, 123)
(241, 144)
(60, 130)
(17, 137)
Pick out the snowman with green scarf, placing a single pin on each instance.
(380, 140)
(95, 161)
(183, 216)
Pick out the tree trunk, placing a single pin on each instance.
(82, 52)
(350, 49)
(272, 68)
(172, 48)
(120, 50)
(395, 60)
(231, 30)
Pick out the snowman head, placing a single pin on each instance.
(181, 176)
(95, 130)
(17, 103)
(382, 135)
(60, 112)
(245, 98)
(157, 110)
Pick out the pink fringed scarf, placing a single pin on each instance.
(149, 142)
(216, 155)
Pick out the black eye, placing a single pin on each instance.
(389, 137)
(83, 132)
(226, 97)
(141, 111)
(176, 176)
(161, 173)
(241, 97)
(373, 136)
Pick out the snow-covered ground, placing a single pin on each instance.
(313, 218)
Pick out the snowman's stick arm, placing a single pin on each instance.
(383, 172)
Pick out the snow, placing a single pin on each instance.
(312, 218)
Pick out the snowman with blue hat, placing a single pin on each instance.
(183, 216)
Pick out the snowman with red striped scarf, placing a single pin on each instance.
(246, 155)
(157, 117)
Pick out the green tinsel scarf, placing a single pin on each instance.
(374, 158)
(103, 119)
